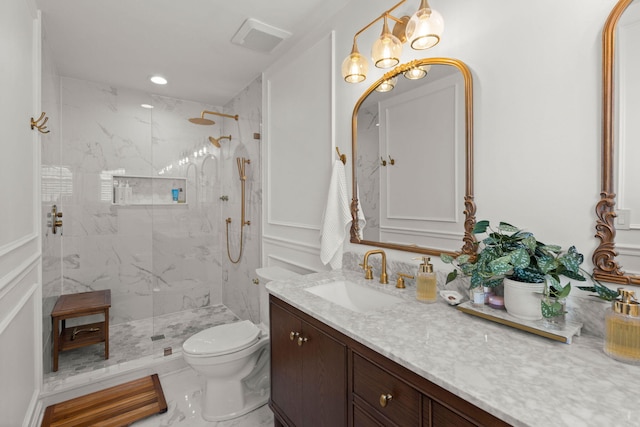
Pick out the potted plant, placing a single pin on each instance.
(526, 266)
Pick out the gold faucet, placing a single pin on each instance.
(367, 268)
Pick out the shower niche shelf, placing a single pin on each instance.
(148, 190)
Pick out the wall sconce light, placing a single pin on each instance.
(423, 30)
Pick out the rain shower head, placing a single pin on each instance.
(202, 121)
(216, 142)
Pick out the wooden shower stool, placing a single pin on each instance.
(79, 305)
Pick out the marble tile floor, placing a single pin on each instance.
(183, 392)
(132, 340)
(131, 345)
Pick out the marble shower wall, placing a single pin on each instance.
(155, 259)
(239, 293)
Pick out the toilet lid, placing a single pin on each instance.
(223, 339)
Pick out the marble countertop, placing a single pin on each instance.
(522, 378)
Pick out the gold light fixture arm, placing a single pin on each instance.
(386, 13)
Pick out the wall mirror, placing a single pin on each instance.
(412, 157)
(618, 211)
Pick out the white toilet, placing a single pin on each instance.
(234, 360)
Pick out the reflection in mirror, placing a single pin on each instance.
(412, 155)
(618, 221)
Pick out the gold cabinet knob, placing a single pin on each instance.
(302, 341)
(385, 399)
(293, 335)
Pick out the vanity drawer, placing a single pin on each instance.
(387, 394)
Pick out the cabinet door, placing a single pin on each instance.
(324, 386)
(286, 364)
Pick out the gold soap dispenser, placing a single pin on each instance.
(622, 322)
(426, 282)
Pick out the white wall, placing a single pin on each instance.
(20, 277)
(537, 90)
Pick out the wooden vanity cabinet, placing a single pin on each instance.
(321, 377)
(308, 370)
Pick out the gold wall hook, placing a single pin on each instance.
(383, 162)
(343, 157)
(40, 126)
(392, 161)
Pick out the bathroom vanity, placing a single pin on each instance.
(320, 376)
(414, 364)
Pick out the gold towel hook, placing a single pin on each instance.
(343, 157)
(40, 126)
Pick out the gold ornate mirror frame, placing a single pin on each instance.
(605, 266)
(469, 240)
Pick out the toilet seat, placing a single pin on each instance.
(222, 339)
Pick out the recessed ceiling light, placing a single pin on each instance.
(146, 106)
(159, 80)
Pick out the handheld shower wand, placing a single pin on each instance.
(241, 162)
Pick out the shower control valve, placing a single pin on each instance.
(54, 223)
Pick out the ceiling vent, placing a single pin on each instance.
(259, 36)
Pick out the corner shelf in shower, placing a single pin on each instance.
(150, 190)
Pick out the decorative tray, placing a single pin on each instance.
(555, 331)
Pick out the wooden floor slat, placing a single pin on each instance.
(113, 407)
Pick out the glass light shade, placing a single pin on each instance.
(416, 73)
(354, 68)
(425, 29)
(386, 50)
(387, 85)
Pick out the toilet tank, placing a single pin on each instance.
(266, 275)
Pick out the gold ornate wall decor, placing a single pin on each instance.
(606, 266)
(469, 244)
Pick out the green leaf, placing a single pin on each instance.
(566, 290)
(519, 258)
(452, 276)
(493, 282)
(481, 227)
(574, 275)
(503, 226)
(571, 260)
(447, 259)
(554, 281)
(463, 259)
(551, 309)
(552, 248)
(546, 263)
(530, 242)
(476, 280)
(501, 265)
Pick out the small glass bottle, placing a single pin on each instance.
(622, 328)
(426, 282)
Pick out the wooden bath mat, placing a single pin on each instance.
(113, 407)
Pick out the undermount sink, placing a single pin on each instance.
(353, 296)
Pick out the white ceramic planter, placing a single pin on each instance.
(522, 300)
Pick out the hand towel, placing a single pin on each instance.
(336, 218)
